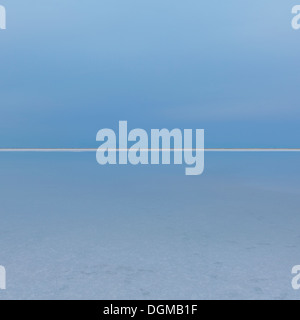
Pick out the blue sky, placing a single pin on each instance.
(71, 68)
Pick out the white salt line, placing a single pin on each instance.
(149, 150)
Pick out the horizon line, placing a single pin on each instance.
(149, 149)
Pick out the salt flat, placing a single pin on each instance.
(70, 230)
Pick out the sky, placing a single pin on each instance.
(70, 69)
